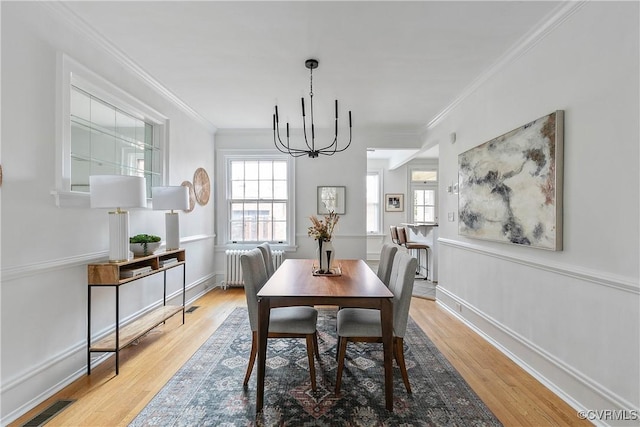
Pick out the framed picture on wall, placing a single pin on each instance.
(394, 202)
(332, 199)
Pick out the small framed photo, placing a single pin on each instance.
(394, 202)
(332, 199)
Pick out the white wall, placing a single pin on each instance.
(348, 169)
(46, 249)
(572, 317)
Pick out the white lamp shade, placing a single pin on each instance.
(169, 198)
(117, 191)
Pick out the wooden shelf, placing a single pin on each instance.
(109, 274)
(136, 329)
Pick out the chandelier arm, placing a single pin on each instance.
(287, 149)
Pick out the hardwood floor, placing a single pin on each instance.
(104, 399)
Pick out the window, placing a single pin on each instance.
(104, 130)
(424, 190)
(373, 202)
(258, 199)
(106, 140)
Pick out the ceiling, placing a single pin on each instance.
(394, 64)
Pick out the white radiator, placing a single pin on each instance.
(233, 273)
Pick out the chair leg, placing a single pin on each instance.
(342, 351)
(252, 357)
(338, 348)
(426, 266)
(312, 366)
(398, 351)
(316, 346)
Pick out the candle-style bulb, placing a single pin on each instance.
(349, 118)
(276, 115)
(302, 99)
(336, 108)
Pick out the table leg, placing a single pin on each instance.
(386, 320)
(264, 311)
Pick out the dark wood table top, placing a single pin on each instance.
(294, 278)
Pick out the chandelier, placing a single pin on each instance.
(311, 149)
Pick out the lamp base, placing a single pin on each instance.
(118, 236)
(172, 226)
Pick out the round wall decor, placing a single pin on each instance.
(201, 186)
(192, 195)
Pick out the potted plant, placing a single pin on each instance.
(144, 244)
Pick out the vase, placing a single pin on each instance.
(329, 255)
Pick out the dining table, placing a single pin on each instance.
(351, 283)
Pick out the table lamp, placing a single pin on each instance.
(170, 198)
(118, 192)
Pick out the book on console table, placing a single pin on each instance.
(132, 272)
(168, 261)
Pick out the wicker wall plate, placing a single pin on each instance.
(201, 186)
(192, 195)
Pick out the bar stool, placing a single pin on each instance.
(394, 235)
(402, 238)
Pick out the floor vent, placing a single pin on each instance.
(192, 309)
(48, 413)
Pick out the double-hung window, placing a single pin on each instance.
(258, 199)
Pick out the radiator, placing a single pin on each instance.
(233, 273)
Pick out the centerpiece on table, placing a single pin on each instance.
(322, 231)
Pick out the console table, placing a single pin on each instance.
(114, 274)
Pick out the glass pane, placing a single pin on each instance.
(280, 190)
(251, 170)
(103, 147)
(103, 116)
(237, 170)
(264, 211)
(125, 126)
(264, 231)
(429, 214)
(80, 104)
(373, 192)
(266, 189)
(280, 170)
(251, 189)
(280, 211)
(265, 169)
(372, 218)
(279, 231)
(424, 176)
(80, 141)
(236, 231)
(237, 212)
(251, 231)
(237, 189)
(418, 197)
(429, 197)
(419, 213)
(251, 212)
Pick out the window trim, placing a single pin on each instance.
(71, 72)
(422, 185)
(224, 164)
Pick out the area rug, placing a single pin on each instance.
(208, 391)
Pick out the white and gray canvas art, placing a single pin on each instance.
(511, 186)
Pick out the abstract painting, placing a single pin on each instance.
(511, 186)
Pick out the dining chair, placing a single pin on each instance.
(363, 324)
(265, 248)
(387, 255)
(417, 246)
(284, 322)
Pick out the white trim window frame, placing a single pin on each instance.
(376, 205)
(231, 200)
(75, 74)
(430, 186)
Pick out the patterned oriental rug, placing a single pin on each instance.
(207, 390)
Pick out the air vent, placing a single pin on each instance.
(192, 309)
(48, 413)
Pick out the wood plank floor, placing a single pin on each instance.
(104, 399)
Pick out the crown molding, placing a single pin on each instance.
(78, 24)
(553, 20)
